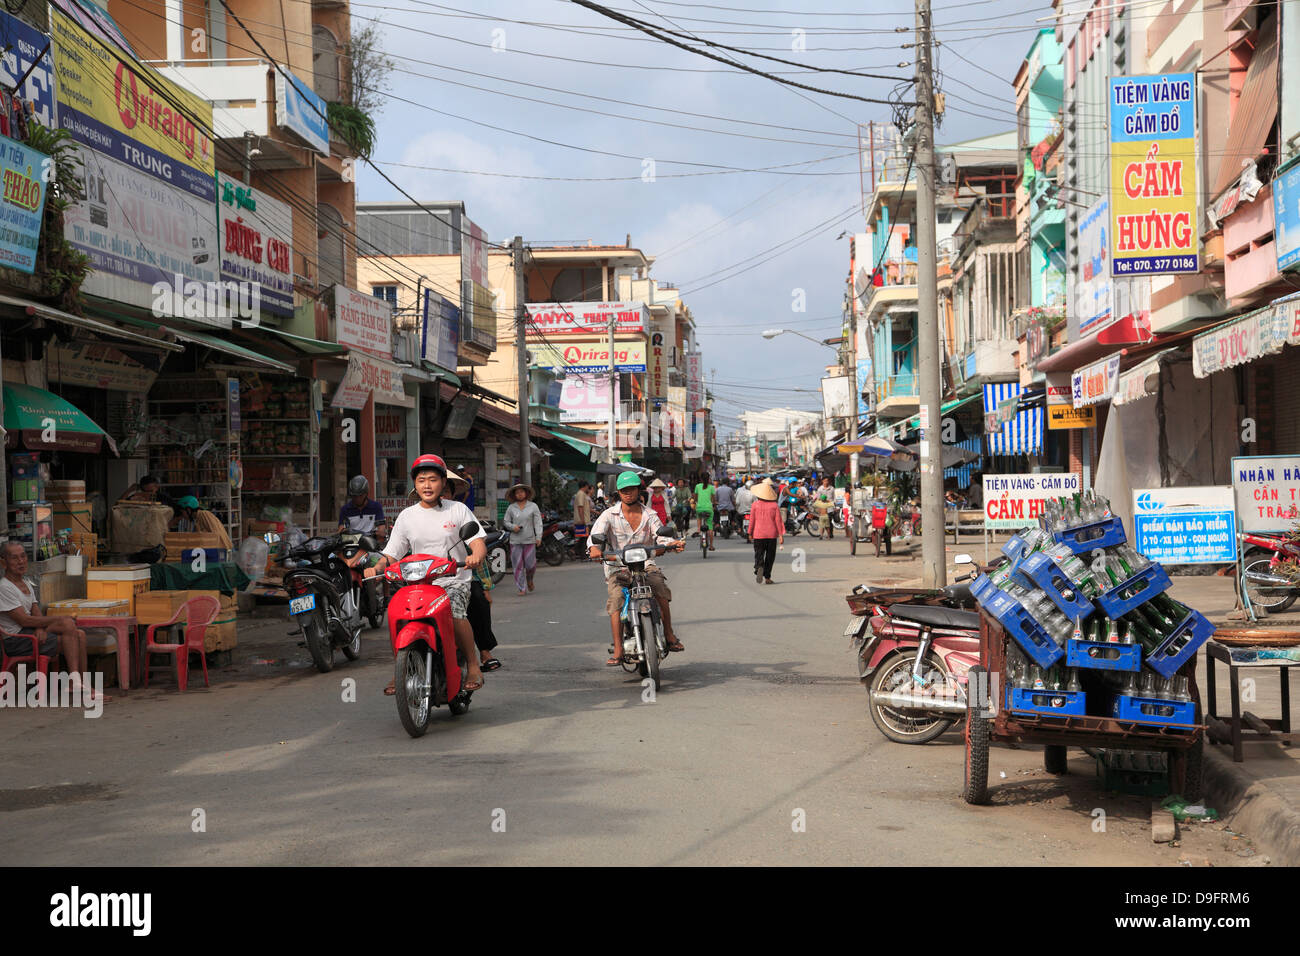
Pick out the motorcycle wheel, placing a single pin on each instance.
(726, 530)
(551, 553)
(704, 545)
(651, 642)
(1271, 599)
(904, 726)
(352, 650)
(320, 645)
(975, 785)
(499, 562)
(413, 707)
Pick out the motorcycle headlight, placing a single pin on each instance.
(415, 570)
(634, 555)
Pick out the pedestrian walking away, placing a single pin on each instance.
(766, 530)
(524, 522)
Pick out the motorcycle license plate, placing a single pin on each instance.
(301, 605)
(558, 535)
(855, 626)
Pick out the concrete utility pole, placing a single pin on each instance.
(521, 357)
(933, 570)
(856, 398)
(613, 383)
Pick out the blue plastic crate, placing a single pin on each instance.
(210, 555)
(982, 588)
(1014, 548)
(1097, 534)
(1053, 703)
(1022, 626)
(1103, 655)
(1142, 587)
(1152, 710)
(1044, 574)
(1178, 648)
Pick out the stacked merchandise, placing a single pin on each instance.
(1096, 633)
(31, 517)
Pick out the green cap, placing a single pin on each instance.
(629, 479)
(189, 501)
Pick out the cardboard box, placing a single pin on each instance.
(178, 541)
(72, 517)
(221, 634)
(157, 607)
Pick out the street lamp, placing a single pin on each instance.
(773, 333)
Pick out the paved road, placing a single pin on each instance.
(759, 724)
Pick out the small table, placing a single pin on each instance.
(119, 626)
(1237, 659)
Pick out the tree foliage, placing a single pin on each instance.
(371, 68)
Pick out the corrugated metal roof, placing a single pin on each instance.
(1252, 120)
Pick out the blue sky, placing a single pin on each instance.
(740, 245)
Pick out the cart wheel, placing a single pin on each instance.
(1054, 759)
(976, 790)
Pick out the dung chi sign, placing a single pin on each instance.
(1153, 175)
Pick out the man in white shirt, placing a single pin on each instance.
(744, 502)
(432, 526)
(20, 616)
(631, 522)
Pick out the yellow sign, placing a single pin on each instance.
(131, 114)
(1067, 416)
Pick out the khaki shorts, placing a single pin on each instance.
(655, 578)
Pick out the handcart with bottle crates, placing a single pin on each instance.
(1081, 647)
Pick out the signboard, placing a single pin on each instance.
(1154, 222)
(1266, 491)
(299, 110)
(138, 231)
(1242, 340)
(22, 203)
(585, 398)
(96, 365)
(1096, 382)
(837, 397)
(390, 433)
(588, 356)
(473, 254)
(1185, 525)
(363, 322)
(1092, 292)
(574, 318)
(366, 376)
(694, 382)
(232, 404)
(1061, 417)
(1286, 214)
(464, 409)
(127, 114)
(440, 331)
(1016, 501)
(256, 242)
(660, 332)
(25, 51)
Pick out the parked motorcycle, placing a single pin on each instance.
(644, 643)
(498, 551)
(429, 670)
(326, 596)
(551, 548)
(915, 649)
(797, 518)
(1262, 583)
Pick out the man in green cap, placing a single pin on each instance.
(630, 522)
(191, 518)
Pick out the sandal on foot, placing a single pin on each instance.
(676, 646)
(391, 689)
(614, 662)
(470, 686)
(490, 664)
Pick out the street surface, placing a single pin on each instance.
(761, 725)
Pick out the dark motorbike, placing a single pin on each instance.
(325, 596)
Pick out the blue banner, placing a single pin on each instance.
(22, 203)
(1186, 537)
(440, 338)
(1286, 216)
(23, 46)
(298, 109)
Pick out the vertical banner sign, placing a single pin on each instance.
(1016, 501)
(1185, 525)
(1092, 289)
(22, 204)
(1266, 492)
(440, 329)
(256, 242)
(694, 382)
(1286, 213)
(1154, 222)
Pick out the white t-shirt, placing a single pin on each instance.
(11, 598)
(436, 531)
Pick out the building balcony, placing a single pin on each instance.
(896, 397)
(1250, 257)
(476, 344)
(991, 362)
(540, 413)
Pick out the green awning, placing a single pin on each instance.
(447, 376)
(206, 340)
(944, 409)
(581, 447)
(305, 345)
(42, 421)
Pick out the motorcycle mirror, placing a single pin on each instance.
(598, 540)
(962, 559)
(468, 530)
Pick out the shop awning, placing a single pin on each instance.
(42, 421)
(1130, 330)
(944, 409)
(230, 348)
(1241, 340)
(92, 325)
(577, 444)
(1023, 434)
(313, 347)
(1142, 379)
(438, 372)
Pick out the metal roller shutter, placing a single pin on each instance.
(1286, 402)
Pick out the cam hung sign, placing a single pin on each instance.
(1016, 501)
(1266, 491)
(1153, 175)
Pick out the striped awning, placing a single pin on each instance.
(1023, 434)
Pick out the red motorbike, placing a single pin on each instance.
(1261, 582)
(429, 671)
(915, 649)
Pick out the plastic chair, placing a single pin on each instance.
(198, 613)
(41, 661)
